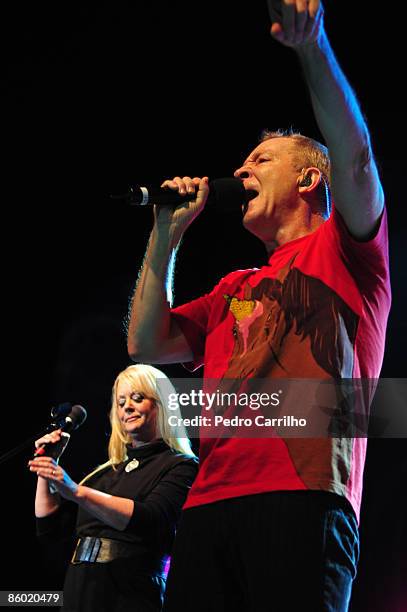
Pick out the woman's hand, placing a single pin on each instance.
(48, 468)
(56, 440)
(114, 511)
(51, 438)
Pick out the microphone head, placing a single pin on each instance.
(61, 411)
(76, 417)
(229, 194)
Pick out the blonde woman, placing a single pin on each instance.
(128, 507)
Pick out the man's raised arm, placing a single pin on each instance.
(356, 187)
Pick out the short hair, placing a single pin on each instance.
(308, 152)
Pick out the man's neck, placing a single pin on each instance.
(292, 231)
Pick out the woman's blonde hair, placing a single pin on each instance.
(155, 385)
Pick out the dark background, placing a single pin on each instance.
(101, 94)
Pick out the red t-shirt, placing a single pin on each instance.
(317, 310)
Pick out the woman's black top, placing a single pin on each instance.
(158, 485)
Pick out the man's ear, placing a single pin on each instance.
(309, 180)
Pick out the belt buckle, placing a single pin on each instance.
(87, 549)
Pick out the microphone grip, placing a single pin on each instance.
(225, 194)
(148, 195)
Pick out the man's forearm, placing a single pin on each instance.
(149, 316)
(153, 334)
(336, 108)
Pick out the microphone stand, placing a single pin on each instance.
(14, 451)
(58, 415)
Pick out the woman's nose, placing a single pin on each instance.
(127, 406)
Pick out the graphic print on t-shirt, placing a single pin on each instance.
(289, 324)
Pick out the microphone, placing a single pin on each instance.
(58, 414)
(227, 194)
(70, 423)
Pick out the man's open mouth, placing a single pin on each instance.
(250, 195)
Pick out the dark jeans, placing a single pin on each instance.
(284, 551)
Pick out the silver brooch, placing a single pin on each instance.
(132, 465)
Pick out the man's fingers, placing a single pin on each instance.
(169, 184)
(184, 185)
(298, 22)
(314, 23)
(203, 189)
(274, 12)
(180, 184)
(189, 184)
(277, 31)
(313, 8)
(289, 15)
(301, 16)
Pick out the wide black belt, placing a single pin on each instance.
(101, 550)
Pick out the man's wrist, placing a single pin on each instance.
(166, 238)
(315, 48)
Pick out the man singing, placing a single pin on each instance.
(272, 523)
